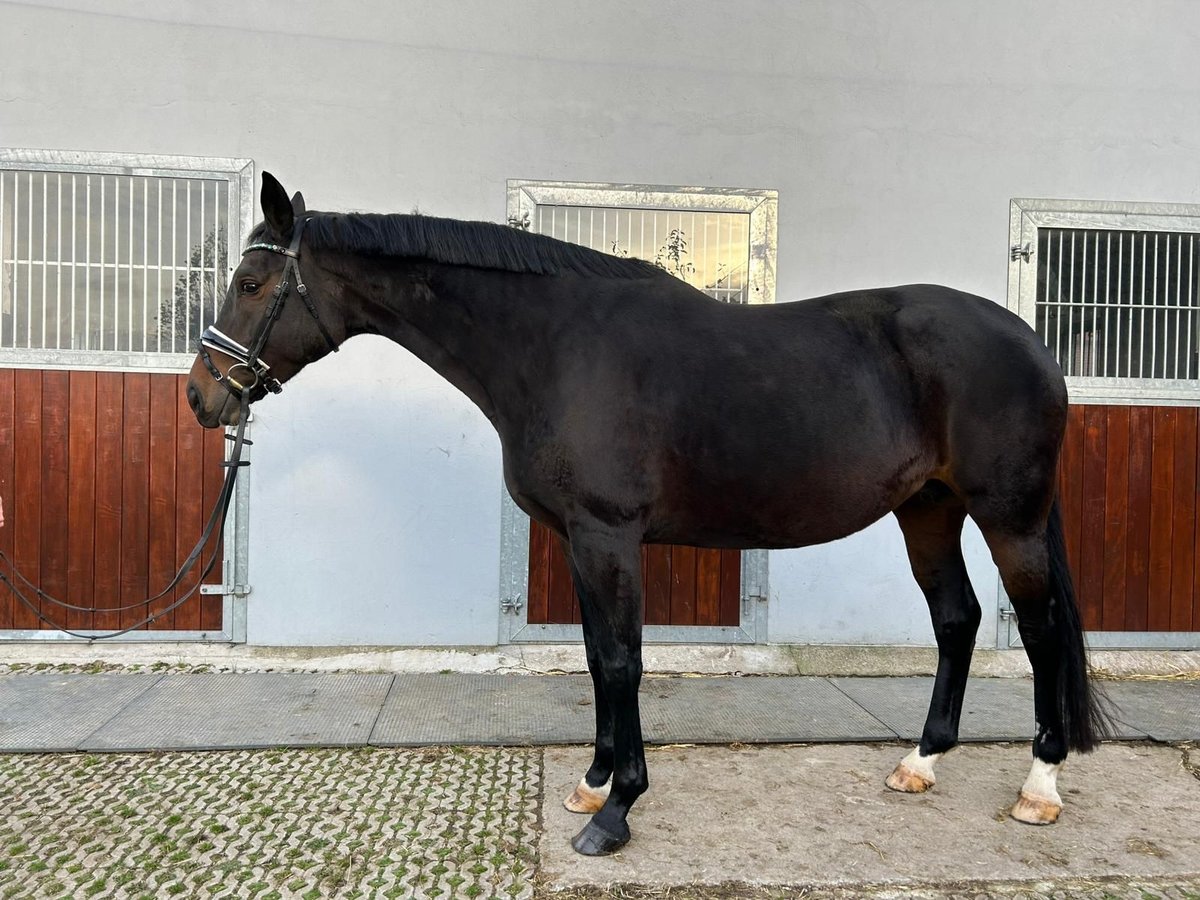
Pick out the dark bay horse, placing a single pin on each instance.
(632, 408)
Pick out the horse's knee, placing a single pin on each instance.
(959, 625)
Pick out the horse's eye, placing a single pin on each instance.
(249, 287)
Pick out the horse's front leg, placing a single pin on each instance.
(607, 567)
(593, 788)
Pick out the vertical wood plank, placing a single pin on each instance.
(1116, 512)
(1196, 549)
(1137, 569)
(1091, 551)
(81, 507)
(658, 584)
(7, 489)
(56, 402)
(26, 512)
(1183, 529)
(538, 601)
(683, 585)
(731, 588)
(110, 421)
(135, 497)
(190, 514)
(1071, 486)
(1158, 612)
(161, 501)
(708, 587)
(213, 448)
(564, 605)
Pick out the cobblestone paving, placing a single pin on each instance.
(270, 824)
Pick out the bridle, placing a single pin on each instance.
(249, 358)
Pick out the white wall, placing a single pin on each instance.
(895, 134)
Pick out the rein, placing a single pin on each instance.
(248, 358)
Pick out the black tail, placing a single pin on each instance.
(1085, 719)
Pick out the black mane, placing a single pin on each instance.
(483, 245)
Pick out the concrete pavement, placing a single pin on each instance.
(359, 785)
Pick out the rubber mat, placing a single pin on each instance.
(57, 711)
(753, 710)
(993, 709)
(498, 710)
(1159, 709)
(505, 710)
(210, 711)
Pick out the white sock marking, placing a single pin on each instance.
(603, 790)
(1042, 782)
(922, 765)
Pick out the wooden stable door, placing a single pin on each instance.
(682, 585)
(107, 481)
(1128, 479)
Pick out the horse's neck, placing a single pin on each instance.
(476, 328)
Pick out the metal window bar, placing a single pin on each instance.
(1119, 306)
(144, 269)
(709, 250)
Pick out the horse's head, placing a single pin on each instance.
(270, 325)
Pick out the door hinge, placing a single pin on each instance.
(1007, 612)
(511, 605)
(237, 590)
(1020, 251)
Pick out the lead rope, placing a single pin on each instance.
(216, 522)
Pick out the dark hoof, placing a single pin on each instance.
(596, 841)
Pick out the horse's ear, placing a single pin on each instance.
(298, 204)
(277, 209)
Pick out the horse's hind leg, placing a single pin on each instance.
(932, 524)
(1033, 567)
(607, 565)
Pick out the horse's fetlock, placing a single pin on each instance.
(938, 739)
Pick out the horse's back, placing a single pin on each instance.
(793, 423)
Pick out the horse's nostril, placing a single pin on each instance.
(194, 399)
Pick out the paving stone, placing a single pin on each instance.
(286, 823)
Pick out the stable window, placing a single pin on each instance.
(114, 260)
(1114, 291)
(722, 242)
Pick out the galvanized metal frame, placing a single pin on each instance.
(239, 173)
(524, 197)
(1026, 216)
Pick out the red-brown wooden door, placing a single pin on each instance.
(107, 481)
(1127, 481)
(682, 585)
